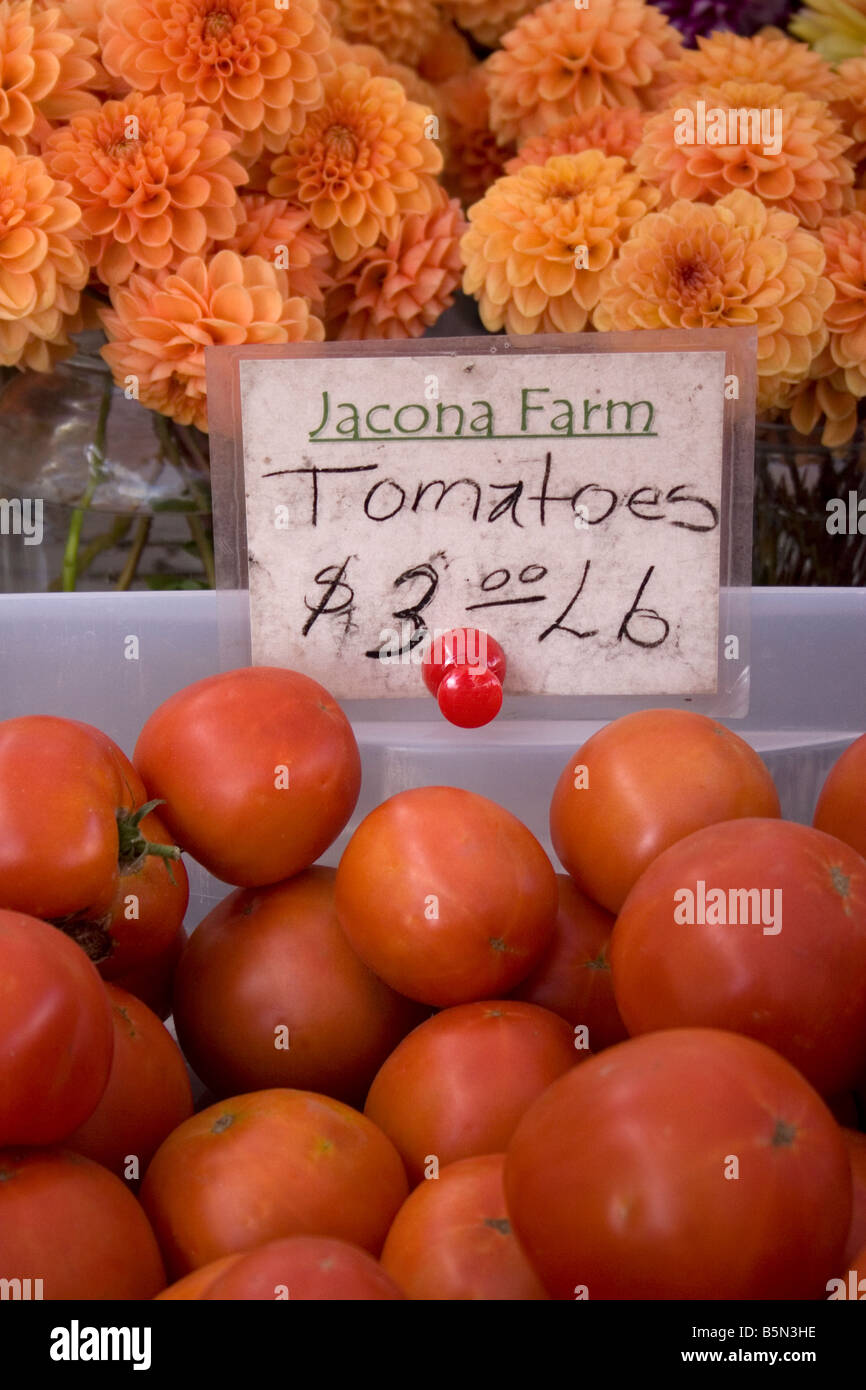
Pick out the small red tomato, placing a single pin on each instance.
(56, 1035)
(841, 809)
(469, 697)
(305, 1269)
(462, 646)
(146, 915)
(147, 1096)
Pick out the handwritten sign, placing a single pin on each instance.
(569, 505)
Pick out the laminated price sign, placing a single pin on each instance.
(588, 505)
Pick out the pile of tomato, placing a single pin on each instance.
(441, 1070)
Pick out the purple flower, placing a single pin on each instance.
(693, 17)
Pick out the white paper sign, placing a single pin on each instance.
(568, 505)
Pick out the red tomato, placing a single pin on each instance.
(304, 1269)
(856, 1145)
(692, 1164)
(841, 809)
(446, 895)
(193, 1286)
(462, 646)
(853, 1281)
(259, 770)
(469, 698)
(68, 824)
(147, 912)
(798, 985)
(452, 1239)
(275, 1163)
(147, 1096)
(153, 982)
(460, 1082)
(573, 978)
(270, 993)
(55, 1033)
(74, 1225)
(644, 782)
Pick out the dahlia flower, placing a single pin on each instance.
(845, 244)
(539, 240)
(372, 58)
(401, 29)
(836, 28)
(735, 263)
(474, 158)
(272, 228)
(824, 399)
(613, 130)
(769, 56)
(849, 108)
(488, 20)
(154, 178)
(448, 54)
(160, 324)
(46, 66)
(363, 160)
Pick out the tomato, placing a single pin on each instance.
(271, 1164)
(72, 826)
(468, 697)
(855, 1277)
(796, 979)
(452, 1238)
(445, 895)
(573, 978)
(259, 770)
(193, 1286)
(841, 809)
(305, 1269)
(72, 1224)
(690, 1164)
(459, 1083)
(469, 647)
(153, 981)
(147, 1096)
(856, 1145)
(147, 913)
(644, 782)
(55, 1033)
(270, 993)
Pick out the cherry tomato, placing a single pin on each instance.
(147, 1096)
(72, 1224)
(445, 895)
(469, 697)
(452, 1238)
(644, 782)
(794, 979)
(690, 1164)
(462, 646)
(841, 809)
(56, 1036)
(270, 993)
(573, 978)
(305, 1269)
(459, 1083)
(274, 1163)
(258, 768)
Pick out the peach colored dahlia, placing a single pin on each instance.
(362, 161)
(845, 243)
(272, 228)
(448, 54)
(539, 240)
(474, 158)
(824, 399)
(372, 58)
(558, 60)
(488, 20)
(768, 56)
(46, 66)
(401, 29)
(258, 66)
(849, 108)
(401, 286)
(735, 263)
(154, 178)
(43, 266)
(810, 175)
(613, 130)
(160, 324)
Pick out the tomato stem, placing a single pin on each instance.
(132, 847)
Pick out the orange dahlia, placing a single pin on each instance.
(734, 263)
(401, 286)
(154, 178)
(402, 29)
(539, 240)
(86, 16)
(824, 399)
(258, 65)
(43, 266)
(160, 324)
(474, 158)
(488, 20)
(448, 54)
(45, 69)
(372, 58)
(849, 108)
(810, 175)
(768, 56)
(845, 243)
(362, 160)
(559, 59)
(272, 228)
(613, 130)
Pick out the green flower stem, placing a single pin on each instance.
(106, 541)
(204, 546)
(139, 541)
(203, 542)
(69, 572)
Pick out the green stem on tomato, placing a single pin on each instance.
(96, 453)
